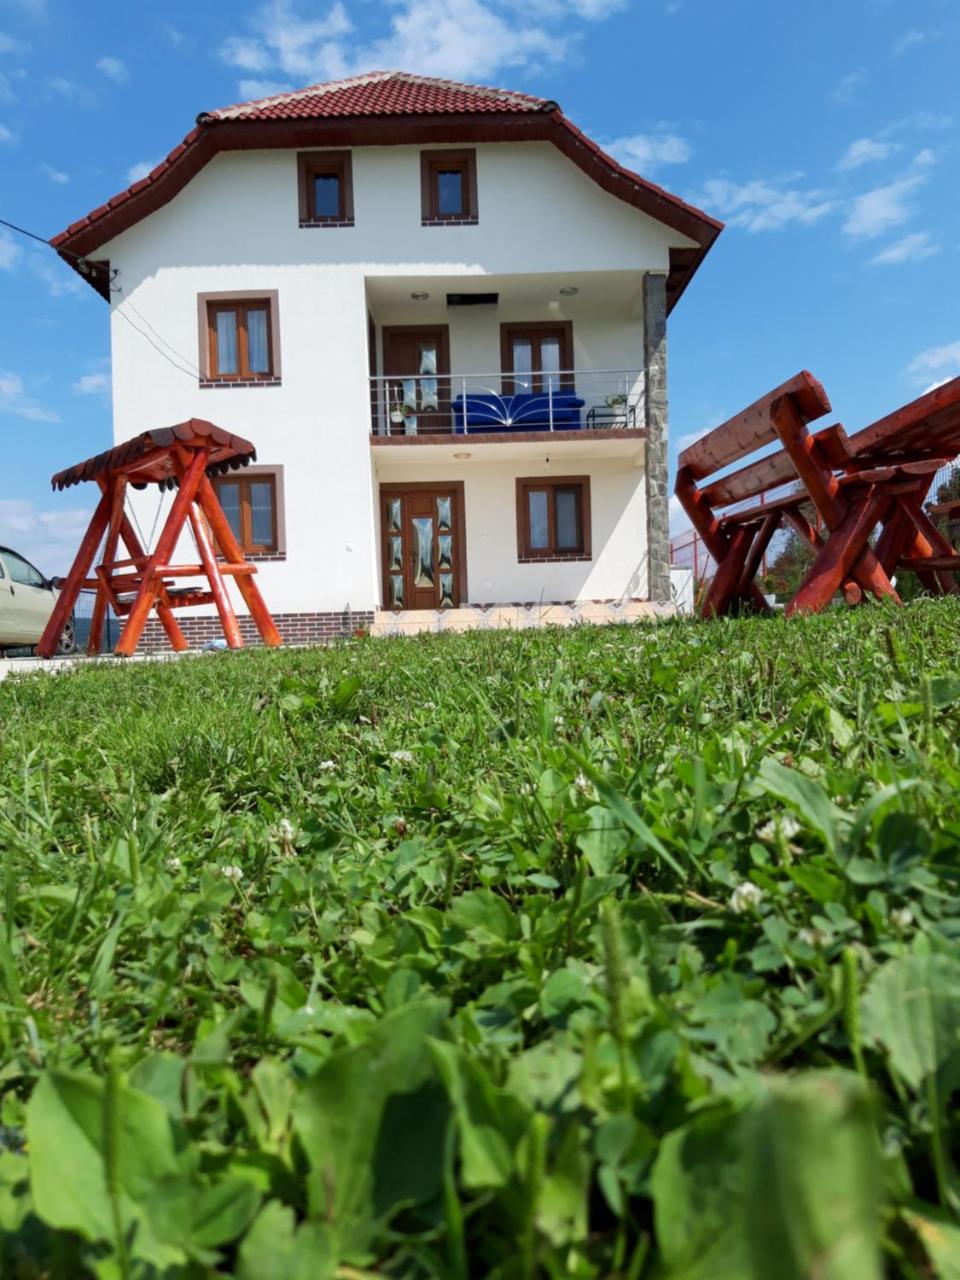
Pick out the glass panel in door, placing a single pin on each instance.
(550, 363)
(522, 362)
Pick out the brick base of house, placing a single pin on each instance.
(296, 628)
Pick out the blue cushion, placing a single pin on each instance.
(524, 411)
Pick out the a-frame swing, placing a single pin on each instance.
(183, 458)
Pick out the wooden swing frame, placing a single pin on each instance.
(181, 458)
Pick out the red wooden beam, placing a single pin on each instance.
(233, 552)
(117, 488)
(824, 489)
(67, 599)
(757, 551)
(754, 427)
(723, 588)
(839, 554)
(228, 619)
(151, 586)
(706, 524)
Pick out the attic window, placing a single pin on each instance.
(326, 188)
(448, 185)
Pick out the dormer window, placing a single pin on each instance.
(326, 188)
(448, 185)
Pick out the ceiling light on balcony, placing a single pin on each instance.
(569, 290)
(419, 297)
(462, 457)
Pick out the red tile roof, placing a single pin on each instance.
(383, 108)
(382, 93)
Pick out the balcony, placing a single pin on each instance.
(577, 411)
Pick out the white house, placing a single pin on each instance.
(439, 311)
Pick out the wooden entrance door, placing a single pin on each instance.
(416, 368)
(424, 549)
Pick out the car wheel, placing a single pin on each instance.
(68, 640)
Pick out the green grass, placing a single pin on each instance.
(595, 953)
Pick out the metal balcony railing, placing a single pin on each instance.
(494, 403)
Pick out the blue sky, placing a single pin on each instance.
(824, 135)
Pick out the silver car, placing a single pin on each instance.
(26, 602)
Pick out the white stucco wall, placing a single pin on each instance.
(617, 569)
(235, 227)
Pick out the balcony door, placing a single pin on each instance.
(423, 545)
(416, 368)
(534, 357)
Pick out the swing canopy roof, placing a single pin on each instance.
(148, 457)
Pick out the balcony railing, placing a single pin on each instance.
(478, 404)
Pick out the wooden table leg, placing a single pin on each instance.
(758, 550)
(839, 554)
(714, 539)
(824, 490)
(723, 588)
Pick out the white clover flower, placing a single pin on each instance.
(745, 897)
(230, 871)
(285, 829)
(327, 766)
(174, 865)
(812, 937)
(402, 757)
(787, 825)
(582, 783)
(901, 917)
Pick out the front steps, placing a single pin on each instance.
(411, 622)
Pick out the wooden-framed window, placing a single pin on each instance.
(240, 340)
(448, 187)
(252, 502)
(536, 356)
(325, 180)
(553, 518)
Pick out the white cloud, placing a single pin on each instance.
(911, 39)
(882, 208)
(92, 384)
(114, 69)
(7, 136)
(942, 363)
(6, 89)
(10, 251)
(141, 169)
(468, 39)
(912, 248)
(9, 45)
(250, 89)
(764, 206)
(55, 175)
(849, 86)
(647, 151)
(61, 281)
(16, 400)
(48, 539)
(863, 151)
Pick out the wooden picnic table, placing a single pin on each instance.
(874, 480)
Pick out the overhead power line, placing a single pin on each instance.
(86, 266)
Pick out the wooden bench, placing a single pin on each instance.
(878, 477)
